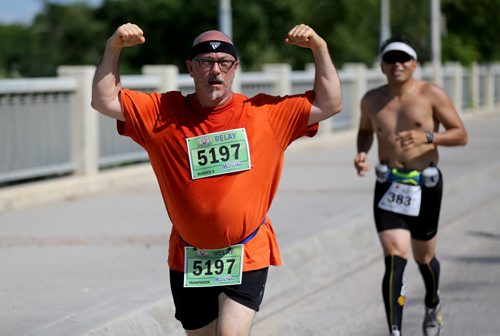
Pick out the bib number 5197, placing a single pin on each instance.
(216, 267)
(210, 267)
(219, 153)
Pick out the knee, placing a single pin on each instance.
(395, 242)
(395, 263)
(424, 259)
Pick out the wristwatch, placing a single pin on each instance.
(430, 137)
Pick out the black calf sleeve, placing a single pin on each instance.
(430, 273)
(394, 290)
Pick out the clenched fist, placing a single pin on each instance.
(304, 36)
(127, 35)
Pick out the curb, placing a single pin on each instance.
(71, 187)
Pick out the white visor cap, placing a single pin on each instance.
(399, 46)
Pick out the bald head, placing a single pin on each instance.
(212, 35)
(213, 41)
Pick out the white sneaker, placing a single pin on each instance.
(395, 331)
(433, 321)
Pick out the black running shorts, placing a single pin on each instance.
(197, 307)
(424, 227)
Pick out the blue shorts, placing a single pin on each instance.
(424, 227)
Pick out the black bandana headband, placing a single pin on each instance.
(213, 46)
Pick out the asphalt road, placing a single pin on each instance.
(95, 264)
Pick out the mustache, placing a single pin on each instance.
(215, 80)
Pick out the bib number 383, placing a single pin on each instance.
(216, 267)
(403, 199)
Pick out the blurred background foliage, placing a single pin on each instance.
(75, 34)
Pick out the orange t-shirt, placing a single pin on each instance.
(217, 211)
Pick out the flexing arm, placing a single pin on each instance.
(106, 85)
(364, 139)
(328, 95)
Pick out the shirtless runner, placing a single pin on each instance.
(406, 115)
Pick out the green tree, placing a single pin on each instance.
(76, 33)
(412, 19)
(472, 30)
(351, 28)
(259, 31)
(64, 34)
(263, 24)
(169, 27)
(15, 40)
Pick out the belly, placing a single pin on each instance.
(218, 216)
(416, 158)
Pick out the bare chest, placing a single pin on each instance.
(398, 115)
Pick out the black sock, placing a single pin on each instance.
(430, 273)
(393, 290)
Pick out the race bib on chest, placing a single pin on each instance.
(403, 199)
(215, 267)
(218, 153)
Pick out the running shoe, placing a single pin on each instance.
(433, 321)
(395, 331)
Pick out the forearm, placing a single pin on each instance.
(106, 85)
(451, 137)
(364, 141)
(327, 90)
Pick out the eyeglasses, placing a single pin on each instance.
(207, 63)
(396, 57)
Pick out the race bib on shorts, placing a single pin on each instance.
(218, 153)
(215, 267)
(403, 199)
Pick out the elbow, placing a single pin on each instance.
(338, 108)
(94, 105)
(335, 109)
(97, 105)
(108, 109)
(465, 140)
(100, 105)
(337, 104)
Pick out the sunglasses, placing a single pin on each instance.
(396, 57)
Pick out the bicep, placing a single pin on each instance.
(315, 114)
(114, 109)
(444, 110)
(106, 99)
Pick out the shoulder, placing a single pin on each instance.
(429, 88)
(264, 99)
(139, 95)
(172, 95)
(432, 91)
(376, 93)
(170, 99)
(374, 96)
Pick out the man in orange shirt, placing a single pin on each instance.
(217, 156)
